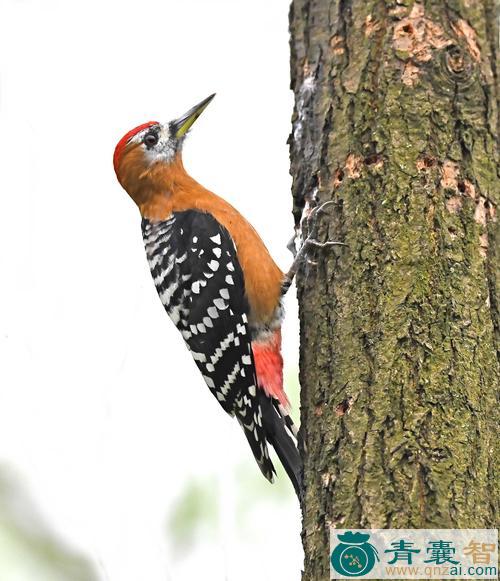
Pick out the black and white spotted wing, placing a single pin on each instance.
(199, 280)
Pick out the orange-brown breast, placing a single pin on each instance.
(162, 189)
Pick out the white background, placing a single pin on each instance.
(102, 411)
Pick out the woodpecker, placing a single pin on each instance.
(217, 282)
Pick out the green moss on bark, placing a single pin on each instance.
(396, 122)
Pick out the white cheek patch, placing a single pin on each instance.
(164, 150)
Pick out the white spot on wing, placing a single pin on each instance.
(215, 239)
(212, 312)
(224, 344)
(209, 381)
(164, 273)
(230, 379)
(175, 314)
(166, 295)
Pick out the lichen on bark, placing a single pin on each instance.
(396, 122)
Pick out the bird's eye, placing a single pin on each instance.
(151, 139)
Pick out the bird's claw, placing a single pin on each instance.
(318, 244)
(309, 241)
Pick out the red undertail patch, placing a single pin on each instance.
(269, 367)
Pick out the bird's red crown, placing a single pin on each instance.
(125, 139)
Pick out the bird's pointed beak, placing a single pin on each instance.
(183, 124)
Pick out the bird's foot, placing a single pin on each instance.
(310, 241)
(302, 254)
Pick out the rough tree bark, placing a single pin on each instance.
(396, 121)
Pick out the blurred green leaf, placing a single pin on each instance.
(28, 549)
(195, 514)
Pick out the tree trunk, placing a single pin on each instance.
(396, 122)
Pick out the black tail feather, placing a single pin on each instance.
(278, 436)
(248, 414)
